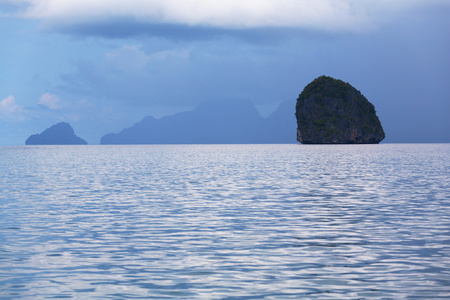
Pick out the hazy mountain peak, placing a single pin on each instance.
(58, 134)
(212, 122)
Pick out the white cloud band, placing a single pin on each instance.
(231, 14)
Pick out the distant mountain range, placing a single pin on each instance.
(215, 122)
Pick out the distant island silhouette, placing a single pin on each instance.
(213, 122)
(58, 134)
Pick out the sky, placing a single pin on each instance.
(103, 65)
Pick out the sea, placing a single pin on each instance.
(225, 222)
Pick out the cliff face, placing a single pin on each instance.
(330, 111)
(59, 134)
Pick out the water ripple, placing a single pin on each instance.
(225, 222)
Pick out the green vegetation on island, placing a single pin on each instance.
(331, 111)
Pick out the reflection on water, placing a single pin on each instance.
(225, 222)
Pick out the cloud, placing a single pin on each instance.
(9, 108)
(84, 104)
(162, 16)
(130, 74)
(11, 7)
(50, 101)
(127, 59)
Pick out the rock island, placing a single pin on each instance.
(331, 111)
(58, 134)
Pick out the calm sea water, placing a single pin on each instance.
(225, 222)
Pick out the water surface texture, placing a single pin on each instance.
(225, 222)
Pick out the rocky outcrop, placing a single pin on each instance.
(330, 111)
(59, 134)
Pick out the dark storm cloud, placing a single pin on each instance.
(127, 28)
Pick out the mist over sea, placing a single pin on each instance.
(225, 222)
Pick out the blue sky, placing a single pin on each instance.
(104, 65)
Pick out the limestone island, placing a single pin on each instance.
(59, 134)
(331, 111)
